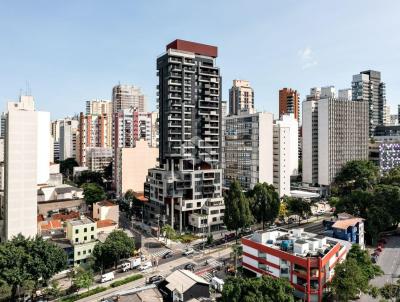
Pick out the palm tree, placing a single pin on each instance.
(168, 232)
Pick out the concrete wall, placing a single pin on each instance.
(135, 163)
(266, 148)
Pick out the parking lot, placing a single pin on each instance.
(389, 261)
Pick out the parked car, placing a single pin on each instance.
(107, 277)
(188, 251)
(155, 279)
(146, 265)
(190, 266)
(168, 254)
(230, 237)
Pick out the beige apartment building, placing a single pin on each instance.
(241, 97)
(82, 233)
(133, 166)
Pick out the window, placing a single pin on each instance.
(85, 230)
(199, 204)
(92, 237)
(78, 262)
(76, 239)
(79, 253)
(84, 252)
(92, 228)
(76, 231)
(90, 250)
(85, 238)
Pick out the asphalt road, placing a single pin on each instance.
(389, 261)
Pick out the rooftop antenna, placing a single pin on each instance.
(28, 89)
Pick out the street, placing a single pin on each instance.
(389, 261)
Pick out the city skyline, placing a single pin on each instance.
(91, 52)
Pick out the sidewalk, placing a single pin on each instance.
(163, 269)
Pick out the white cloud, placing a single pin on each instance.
(307, 58)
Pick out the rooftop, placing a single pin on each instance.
(65, 217)
(51, 224)
(194, 47)
(82, 221)
(181, 280)
(105, 223)
(296, 241)
(345, 223)
(106, 203)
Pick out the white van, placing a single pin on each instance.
(217, 284)
(107, 277)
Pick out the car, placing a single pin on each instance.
(188, 251)
(145, 266)
(155, 279)
(168, 254)
(190, 266)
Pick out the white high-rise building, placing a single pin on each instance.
(286, 150)
(335, 131)
(345, 94)
(99, 107)
(128, 97)
(26, 165)
(67, 140)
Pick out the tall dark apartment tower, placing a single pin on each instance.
(289, 102)
(186, 189)
(367, 86)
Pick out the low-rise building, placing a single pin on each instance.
(385, 153)
(106, 209)
(182, 285)
(306, 260)
(346, 227)
(82, 234)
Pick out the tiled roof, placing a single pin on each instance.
(66, 217)
(345, 223)
(51, 224)
(105, 223)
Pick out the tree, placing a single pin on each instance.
(283, 211)
(264, 289)
(54, 290)
(356, 174)
(5, 291)
(93, 193)
(87, 177)
(83, 278)
(369, 269)
(353, 275)
(117, 246)
(168, 232)
(67, 167)
(265, 203)
(348, 280)
(25, 260)
(108, 171)
(392, 177)
(298, 206)
(390, 290)
(237, 210)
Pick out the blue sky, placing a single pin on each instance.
(72, 51)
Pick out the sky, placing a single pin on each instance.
(68, 52)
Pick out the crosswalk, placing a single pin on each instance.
(214, 263)
(207, 276)
(158, 252)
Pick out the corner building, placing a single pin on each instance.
(185, 191)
